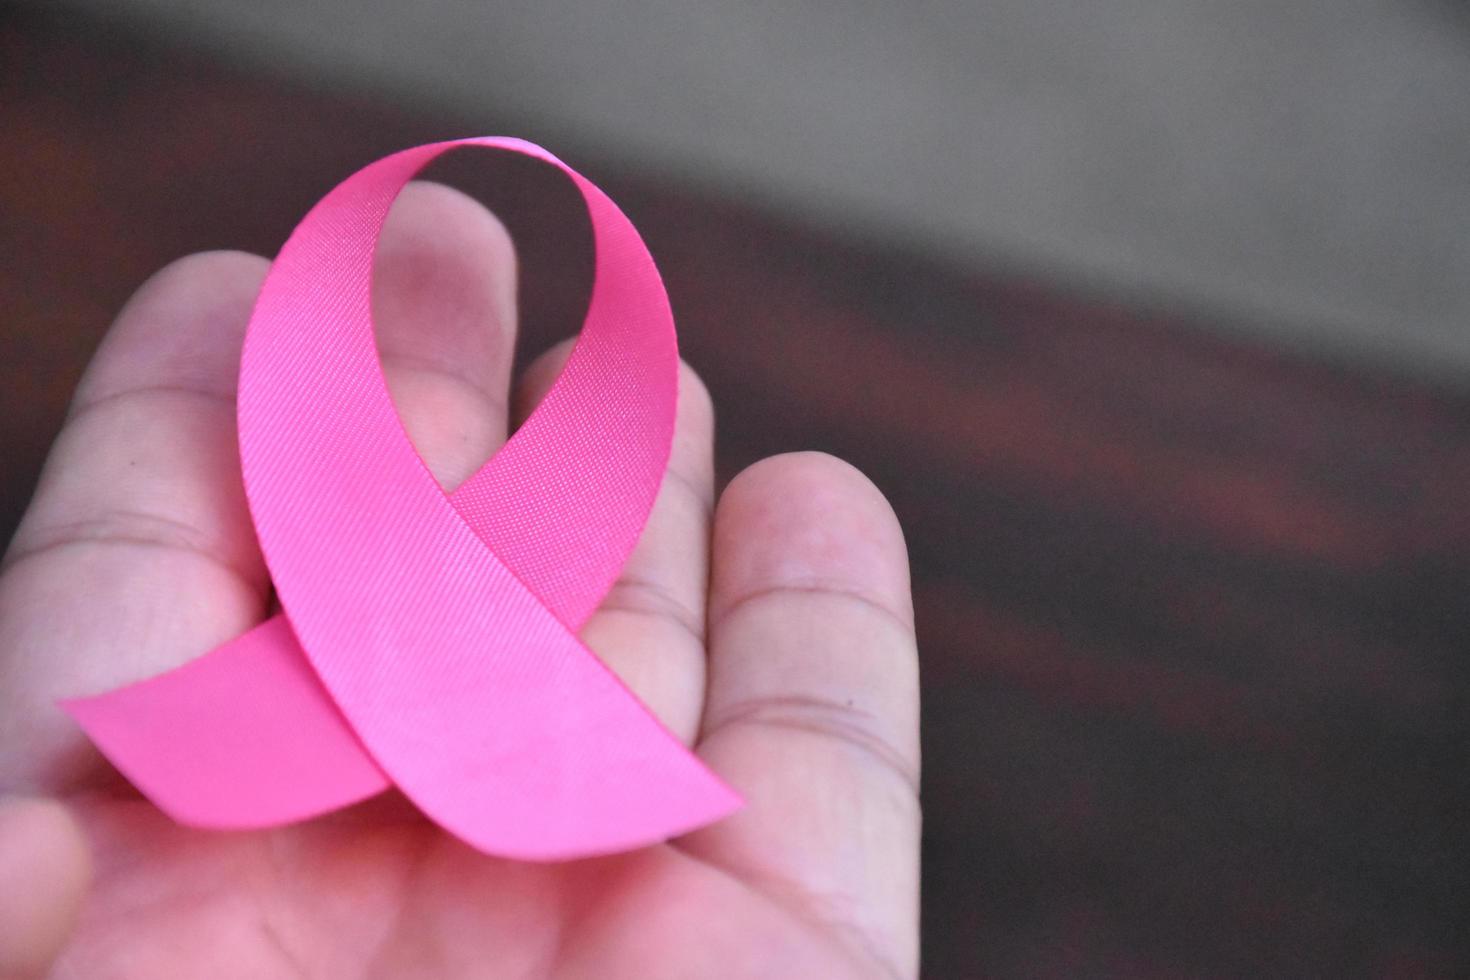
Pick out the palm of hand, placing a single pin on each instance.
(383, 893)
(772, 633)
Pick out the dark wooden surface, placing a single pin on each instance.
(1193, 615)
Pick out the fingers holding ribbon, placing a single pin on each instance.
(429, 640)
(139, 543)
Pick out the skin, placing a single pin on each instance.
(771, 629)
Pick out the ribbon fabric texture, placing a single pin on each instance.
(428, 641)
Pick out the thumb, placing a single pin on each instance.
(45, 868)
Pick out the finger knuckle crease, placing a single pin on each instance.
(137, 529)
(819, 589)
(839, 721)
(644, 597)
(112, 400)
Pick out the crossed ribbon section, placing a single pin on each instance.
(428, 641)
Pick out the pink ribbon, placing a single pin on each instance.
(429, 641)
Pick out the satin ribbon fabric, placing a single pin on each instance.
(428, 641)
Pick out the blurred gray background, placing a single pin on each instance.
(1298, 170)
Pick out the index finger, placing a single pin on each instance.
(137, 551)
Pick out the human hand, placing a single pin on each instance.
(773, 632)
